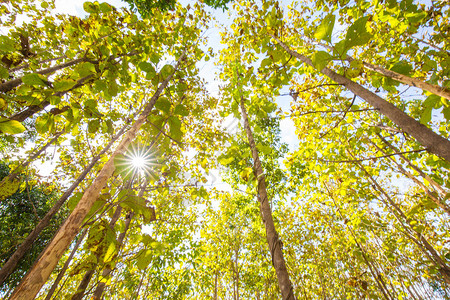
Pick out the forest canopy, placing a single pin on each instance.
(225, 149)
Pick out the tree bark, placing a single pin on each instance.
(35, 279)
(64, 268)
(411, 81)
(83, 285)
(432, 141)
(12, 262)
(275, 244)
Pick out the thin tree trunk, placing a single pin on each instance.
(66, 265)
(107, 271)
(35, 279)
(439, 188)
(275, 244)
(432, 141)
(402, 170)
(376, 275)
(414, 82)
(14, 259)
(422, 242)
(83, 285)
(215, 285)
(9, 85)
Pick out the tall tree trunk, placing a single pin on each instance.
(88, 275)
(275, 244)
(215, 285)
(432, 141)
(411, 81)
(376, 275)
(66, 265)
(35, 279)
(14, 259)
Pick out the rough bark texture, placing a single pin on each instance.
(275, 244)
(64, 268)
(432, 141)
(411, 81)
(12, 262)
(38, 275)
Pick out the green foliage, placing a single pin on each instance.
(19, 213)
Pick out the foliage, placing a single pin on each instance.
(19, 214)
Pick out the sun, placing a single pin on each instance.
(139, 161)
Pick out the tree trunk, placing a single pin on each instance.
(432, 141)
(402, 170)
(414, 82)
(438, 188)
(275, 244)
(83, 285)
(10, 265)
(35, 279)
(64, 268)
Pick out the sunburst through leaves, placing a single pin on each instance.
(139, 160)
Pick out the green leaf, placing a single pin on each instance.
(4, 74)
(84, 69)
(89, 7)
(6, 44)
(320, 59)
(105, 7)
(166, 71)
(402, 67)
(33, 79)
(144, 258)
(146, 67)
(63, 85)
(73, 201)
(93, 126)
(175, 128)
(325, 29)
(8, 187)
(357, 34)
(163, 105)
(425, 117)
(225, 161)
(415, 17)
(266, 61)
(181, 110)
(11, 126)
